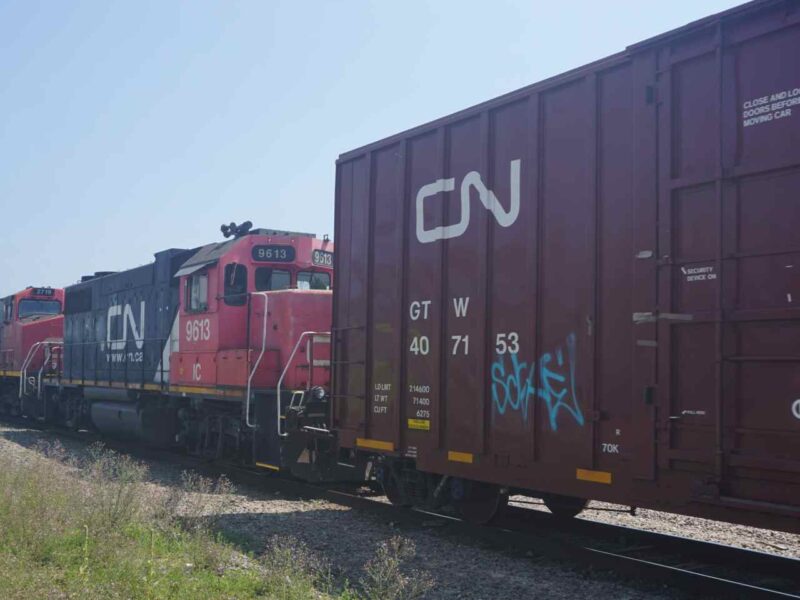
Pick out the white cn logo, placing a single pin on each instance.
(116, 311)
(487, 197)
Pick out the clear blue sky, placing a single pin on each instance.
(130, 127)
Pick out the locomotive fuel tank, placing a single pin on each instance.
(151, 424)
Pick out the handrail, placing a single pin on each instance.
(50, 350)
(258, 361)
(24, 369)
(286, 370)
(295, 394)
(23, 376)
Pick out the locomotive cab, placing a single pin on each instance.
(31, 332)
(245, 305)
(27, 318)
(224, 289)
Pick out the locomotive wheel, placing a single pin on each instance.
(72, 414)
(564, 507)
(481, 503)
(393, 490)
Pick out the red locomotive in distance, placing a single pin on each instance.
(31, 327)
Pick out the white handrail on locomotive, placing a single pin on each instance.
(23, 374)
(49, 346)
(50, 351)
(29, 358)
(323, 334)
(258, 361)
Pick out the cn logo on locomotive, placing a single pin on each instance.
(487, 197)
(117, 311)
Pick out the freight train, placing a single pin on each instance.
(584, 289)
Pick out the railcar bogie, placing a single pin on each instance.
(475, 501)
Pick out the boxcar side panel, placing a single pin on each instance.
(463, 299)
(617, 101)
(760, 429)
(423, 311)
(350, 316)
(512, 293)
(564, 360)
(386, 277)
(729, 366)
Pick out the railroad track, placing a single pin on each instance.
(698, 566)
(706, 568)
(702, 568)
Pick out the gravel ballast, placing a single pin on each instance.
(706, 530)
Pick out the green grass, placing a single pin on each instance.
(94, 528)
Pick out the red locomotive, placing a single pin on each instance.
(31, 325)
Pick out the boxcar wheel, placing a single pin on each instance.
(564, 507)
(481, 503)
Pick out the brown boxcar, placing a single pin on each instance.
(590, 287)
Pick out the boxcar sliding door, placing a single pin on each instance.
(729, 260)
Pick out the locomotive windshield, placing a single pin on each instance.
(312, 280)
(29, 308)
(269, 279)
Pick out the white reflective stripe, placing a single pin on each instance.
(322, 339)
(322, 363)
(171, 345)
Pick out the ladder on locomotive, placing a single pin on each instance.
(298, 397)
(32, 386)
(269, 443)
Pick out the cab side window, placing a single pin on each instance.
(8, 309)
(197, 293)
(313, 280)
(235, 284)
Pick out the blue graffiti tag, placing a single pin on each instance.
(513, 389)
